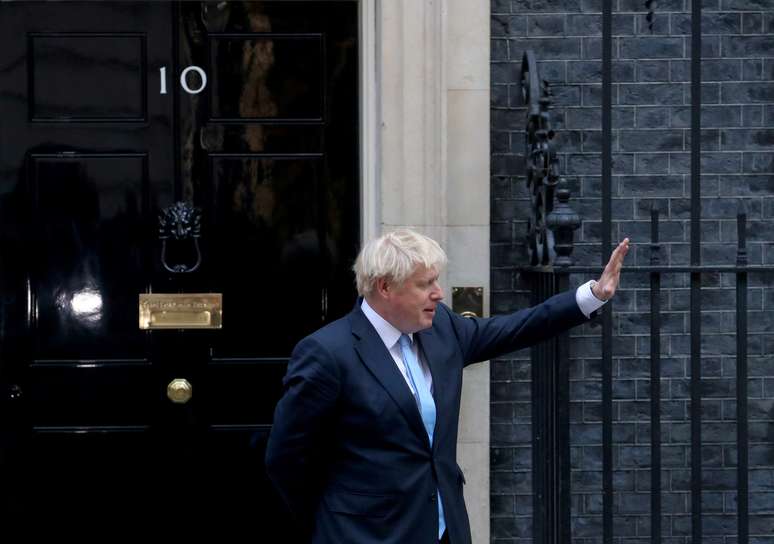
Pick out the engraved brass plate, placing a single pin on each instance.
(181, 311)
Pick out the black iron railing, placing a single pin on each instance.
(550, 244)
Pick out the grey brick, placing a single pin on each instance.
(545, 25)
(711, 502)
(710, 141)
(545, 6)
(761, 409)
(584, 25)
(508, 120)
(721, 70)
(498, 97)
(720, 163)
(652, 117)
(761, 525)
(500, 142)
(553, 71)
(722, 208)
(748, 92)
(500, 6)
(745, 5)
(502, 72)
(510, 165)
(761, 503)
(524, 504)
(748, 46)
(637, 5)
(653, 70)
(592, 141)
(511, 482)
(752, 23)
(719, 525)
(584, 164)
(711, 23)
(547, 48)
(747, 139)
(522, 458)
(504, 25)
(508, 528)
(566, 95)
(502, 505)
(658, 27)
(710, 47)
(592, 96)
(633, 503)
(510, 434)
(768, 69)
(591, 71)
(623, 389)
(752, 116)
(679, 70)
(650, 93)
(752, 69)
(651, 140)
(652, 48)
(721, 387)
(592, 48)
(586, 526)
(501, 459)
(758, 163)
(710, 93)
(499, 50)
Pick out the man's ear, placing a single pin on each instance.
(383, 287)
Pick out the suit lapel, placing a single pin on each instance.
(377, 358)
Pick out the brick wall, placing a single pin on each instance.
(651, 153)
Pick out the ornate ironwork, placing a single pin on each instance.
(563, 221)
(542, 173)
(180, 222)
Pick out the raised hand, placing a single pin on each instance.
(607, 283)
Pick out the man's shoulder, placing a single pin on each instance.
(331, 336)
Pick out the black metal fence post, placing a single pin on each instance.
(550, 244)
(741, 380)
(563, 221)
(655, 382)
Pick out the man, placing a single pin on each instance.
(363, 447)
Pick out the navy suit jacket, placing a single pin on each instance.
(348, 451)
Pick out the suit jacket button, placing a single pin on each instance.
(433, 497)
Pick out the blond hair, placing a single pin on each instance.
(395, 256)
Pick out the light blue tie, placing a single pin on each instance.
(426, 406)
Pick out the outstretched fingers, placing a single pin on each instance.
(608, 282)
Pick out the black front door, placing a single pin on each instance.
(99, 134)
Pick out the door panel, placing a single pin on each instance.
(104, 75)
(88, 214)
(91, 152)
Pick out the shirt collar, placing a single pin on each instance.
(386, 331)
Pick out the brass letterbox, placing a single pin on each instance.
(181, 310)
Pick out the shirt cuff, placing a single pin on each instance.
(587, 302)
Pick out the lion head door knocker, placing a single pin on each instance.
(181, 223)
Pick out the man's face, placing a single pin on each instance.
(411, 305)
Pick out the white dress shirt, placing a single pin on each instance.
(585, 298)
(587, 302)
(390, 336)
